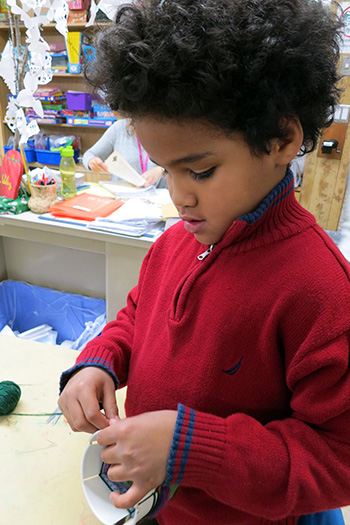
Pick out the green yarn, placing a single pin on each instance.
(10, 394)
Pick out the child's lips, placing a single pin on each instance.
(193, 226)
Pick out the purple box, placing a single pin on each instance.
(78, 101)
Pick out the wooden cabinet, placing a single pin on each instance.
(66, 81)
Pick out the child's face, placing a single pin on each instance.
(212, 178)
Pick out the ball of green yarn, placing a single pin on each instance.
(10, 394)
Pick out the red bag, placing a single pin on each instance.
(11, 171)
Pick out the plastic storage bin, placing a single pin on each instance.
(75, 317)
(29, 153)
(78, 101)
(45, 156)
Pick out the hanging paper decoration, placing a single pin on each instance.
(108, 7)
(34, 54)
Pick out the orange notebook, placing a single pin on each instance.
(85, 206)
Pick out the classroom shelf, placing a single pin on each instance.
(66, 81)
(68, 75)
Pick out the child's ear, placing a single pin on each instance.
(287, 148)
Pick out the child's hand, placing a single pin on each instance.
(137, 449)
(81, 398)
(97, 165)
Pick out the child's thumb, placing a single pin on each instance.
(129, 499)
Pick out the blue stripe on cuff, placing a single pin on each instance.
(188, 442)
(99, 363)
(174, 445)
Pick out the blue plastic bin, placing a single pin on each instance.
(29, 153)
(75, 317)
(44, 156)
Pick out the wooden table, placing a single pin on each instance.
(40, 480)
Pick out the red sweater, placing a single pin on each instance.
(254, 340)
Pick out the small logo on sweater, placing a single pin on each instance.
(234, 369)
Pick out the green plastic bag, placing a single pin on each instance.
(15, 206)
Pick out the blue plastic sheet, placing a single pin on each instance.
(328, 517)
(75, 317)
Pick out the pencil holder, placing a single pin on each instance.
(42, 197)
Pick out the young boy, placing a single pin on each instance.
(235, 343)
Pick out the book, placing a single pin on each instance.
(118, 166)
(49, 91)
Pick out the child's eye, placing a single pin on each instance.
(203, 174)
(165, 172)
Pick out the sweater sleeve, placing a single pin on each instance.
(105, 145)
(294, 466)
(111, 350)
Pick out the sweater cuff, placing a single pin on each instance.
(84, 360)
(197, 449)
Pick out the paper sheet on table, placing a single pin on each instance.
(124, 190)
(136, 208)
(118, 166)
(139, 218)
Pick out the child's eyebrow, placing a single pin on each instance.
(188, 159)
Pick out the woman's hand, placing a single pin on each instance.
(81, 398)
(138, 449)
(152, 175)
(97, 165)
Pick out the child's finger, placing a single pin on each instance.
(110, 435)
(110, 403)
(91, 410)
(130, 498)
(76, 419)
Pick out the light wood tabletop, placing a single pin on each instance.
(40, 480)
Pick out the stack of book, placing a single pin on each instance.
(101, 111)
(53, 101)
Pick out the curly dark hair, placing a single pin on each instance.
(247, 66)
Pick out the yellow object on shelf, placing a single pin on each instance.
(73, 44)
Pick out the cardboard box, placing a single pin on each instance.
(78, 4)
(77, 16)
(100, 123)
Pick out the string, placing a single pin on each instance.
(38, 415)
(142, 162)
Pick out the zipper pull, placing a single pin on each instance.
(206, 253)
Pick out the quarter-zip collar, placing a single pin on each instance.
(278, 217)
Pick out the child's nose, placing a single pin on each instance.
(181, 193)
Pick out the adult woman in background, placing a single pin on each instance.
(121, 137)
